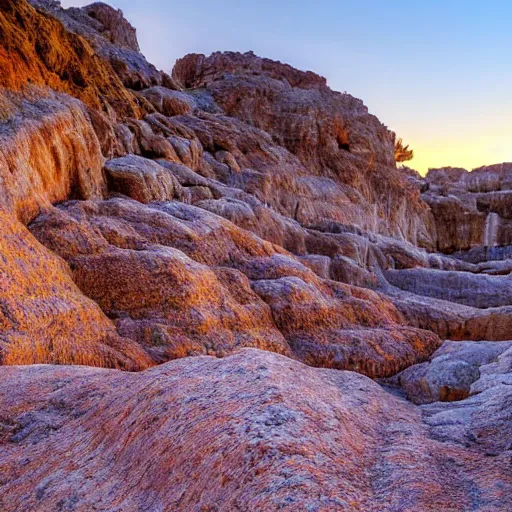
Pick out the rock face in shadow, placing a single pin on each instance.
(265, 432)
(451, 372)
(471, 209)
(453, 286)
(485, 418)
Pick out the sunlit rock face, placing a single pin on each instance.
(182, 281)
(44, 53)
(254, 431)
(44, 318)
(236, 237)
(48, 152)
(332, 134)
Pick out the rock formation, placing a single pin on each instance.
(347, 150)
(472, 210)
(257, 308)
(254, 431)
(43, 316)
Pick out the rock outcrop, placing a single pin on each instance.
(113, 39)
(244, 211)
(43, 316)
(265, 432)
(451, 372)
(49, 152)
(471, 209)
(37, 49)
(332, 134)
(182, 281)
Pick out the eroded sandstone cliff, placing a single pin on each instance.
(239, 209)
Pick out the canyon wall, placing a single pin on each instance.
(237, 236)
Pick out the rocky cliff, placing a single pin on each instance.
(257, 308)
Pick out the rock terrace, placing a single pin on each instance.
(219, 292)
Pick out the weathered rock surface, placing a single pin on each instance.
(37, 49)
(169, 102)
(485, 418)
(332, 134)
(256, 209)
(142, 179)
(181, 281)
(264, 432)
(43, 316)
(471, 209)
(114, 26)
(451, 372)
(48, 153)
(459, 287)
(450, 320)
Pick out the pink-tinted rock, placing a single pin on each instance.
(142, 179)
(180, 281)
(255, 431)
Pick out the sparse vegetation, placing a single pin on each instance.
(403, 153)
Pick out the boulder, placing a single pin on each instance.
(142, 179)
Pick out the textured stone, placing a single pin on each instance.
(453, 321)
(43, 316)
(485, 418)
(493, 291)
(48, 153)
(258, 209)
(142, 179)
(115, 27)
(63, 61)
(332, 134)
(264, 433)
(451, 372)
(471, 209)
(169, 102)
(112, 38)
(180, 281)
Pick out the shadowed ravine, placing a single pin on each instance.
(219, 292)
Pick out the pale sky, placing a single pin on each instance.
(437, 72)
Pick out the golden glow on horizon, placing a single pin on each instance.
(490, 148)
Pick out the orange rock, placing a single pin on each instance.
(48, 152)
(182, 281)
(37, 49)
(43, 316)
